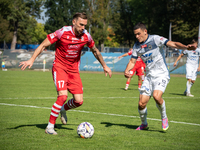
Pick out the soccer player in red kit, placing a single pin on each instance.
(70, 40)
(139, 68)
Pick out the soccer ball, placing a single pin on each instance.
(85, 130)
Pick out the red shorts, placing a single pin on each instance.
(65, 80)
(139, 68)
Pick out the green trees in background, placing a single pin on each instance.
(185, 18)
(37, 33)
(123, 20)
(5, 31)
(110, 22)
(20, 17)
(99, 19)
(60, 12)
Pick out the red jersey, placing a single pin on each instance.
(68, 47)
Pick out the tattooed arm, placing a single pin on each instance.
(99, 57)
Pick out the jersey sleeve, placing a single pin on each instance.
(130, 52)
(134, 53)
(159, 40)
(198, 51)
(91, 42)
(53, 37)
(185, 52)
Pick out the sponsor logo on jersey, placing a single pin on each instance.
(162, 38)
(196, 53)
(75, 39)
(149, 46)
(72, 52)
(143, 46)
(73, 46)
(71, 56)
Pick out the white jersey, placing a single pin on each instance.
(192, 57)
(152, 53)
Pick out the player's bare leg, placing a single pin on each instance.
(160, 104)
(75, 102)
(142, 109)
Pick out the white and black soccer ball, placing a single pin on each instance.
(85, 130)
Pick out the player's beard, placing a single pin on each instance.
(78, 31)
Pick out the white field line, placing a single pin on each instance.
(185, 97)
(99, 113)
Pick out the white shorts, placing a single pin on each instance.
(153, 83)
(191, 72)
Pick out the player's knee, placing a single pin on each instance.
(141, 105)
(79, 100)
(63, 92)
(156, 97)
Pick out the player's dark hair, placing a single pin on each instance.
(82, 15)
(194, 40)
(140, 25)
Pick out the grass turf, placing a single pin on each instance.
(111, 110)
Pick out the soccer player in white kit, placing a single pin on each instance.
(192, 66)
(149, 48)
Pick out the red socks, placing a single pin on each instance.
(72, 104)
(55, 110)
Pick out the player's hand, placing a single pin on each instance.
(191, 47)
(119, 57)
(25, 64)
(108, 71)
(174, 64)
(127, 74)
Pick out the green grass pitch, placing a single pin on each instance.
(26, 98)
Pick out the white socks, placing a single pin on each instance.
(50, 125)
(143, 115)
(188, 86)
(162, 110)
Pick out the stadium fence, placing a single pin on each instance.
(88, 61)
